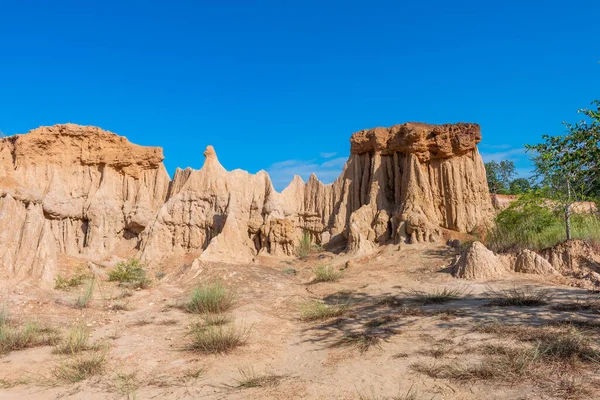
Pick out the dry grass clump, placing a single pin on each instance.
(380, 321)
(579, 305)
(438, 296)
(211, 297)
(439, 350)
(326, 274)
(80, 366)
(77, 340)
(83, 300)
(31, 334)
(250, 379)
(215, 339)
(543, 353)
(390, 301)
(518, 297)
(316, 310)
(120, 306)
(362, 340)
(130, 274)
(411, 394)
(126, 384)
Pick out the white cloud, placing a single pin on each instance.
(336, 162)
(512, 154)
(283, 172)
(494, 146)
(328, 155)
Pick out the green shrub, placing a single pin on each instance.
(211, 297)
(130, 273)
(530, 223)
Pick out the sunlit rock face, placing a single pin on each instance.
(86, 192)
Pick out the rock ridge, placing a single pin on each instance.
(86, 192)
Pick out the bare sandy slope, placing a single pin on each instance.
(147, 358)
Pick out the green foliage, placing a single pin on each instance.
(499, 175)
(519, 186)
(66, 284)
(530, 223)
(305, 246)
(570, 164)
(130, 273)
(211, 297)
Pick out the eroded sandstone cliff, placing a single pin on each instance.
(82, 191)
(77, 190)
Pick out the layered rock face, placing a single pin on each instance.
(75, 190)
(82, 191)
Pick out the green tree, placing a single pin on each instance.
(499, 175)
(569, 164)
(519, 186)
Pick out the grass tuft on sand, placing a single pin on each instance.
(211, 297)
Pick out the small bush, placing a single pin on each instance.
(438, 296)
(316, 310)
(212, 297)
(518, 297)
(13, 338)
(83, 300)
(250, 379)
(289, 271)
(215, 339)
(326, 274)
(131, 274)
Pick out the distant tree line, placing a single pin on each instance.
(501, 178)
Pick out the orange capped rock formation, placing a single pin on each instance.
(86, 192)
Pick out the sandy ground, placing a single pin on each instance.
(147, 358)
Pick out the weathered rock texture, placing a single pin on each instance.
(477, 262)
(574, 259)
(75, 190)
(529, 262)
(82, 191)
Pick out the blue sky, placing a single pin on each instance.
(281, 85)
